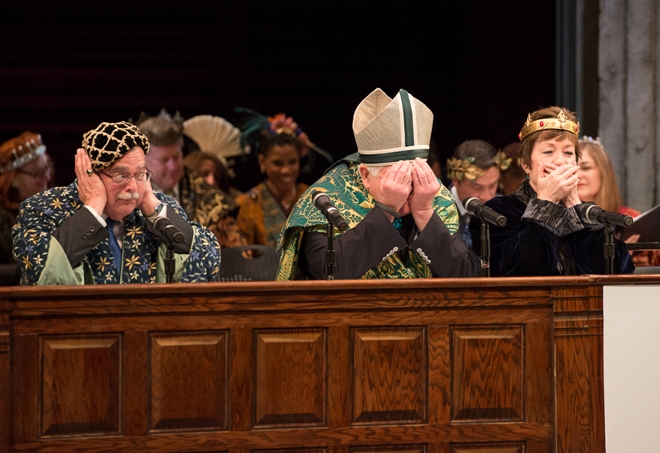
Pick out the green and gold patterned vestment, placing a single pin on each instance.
(343, 184)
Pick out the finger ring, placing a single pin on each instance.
(89, 172)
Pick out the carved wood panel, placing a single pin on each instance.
(81, 385)
(495, 447)
(389, 375)
(488, 373)
(392, 367)
(188, 376)
(290, 377)
(293, 450)
(390, 449)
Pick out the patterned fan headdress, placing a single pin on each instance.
(215, 135)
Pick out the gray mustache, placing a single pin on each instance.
(128, 195)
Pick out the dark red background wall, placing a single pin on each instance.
(67, 65)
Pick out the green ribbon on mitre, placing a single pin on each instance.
(389, 130)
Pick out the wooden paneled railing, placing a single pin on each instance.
(453, 366)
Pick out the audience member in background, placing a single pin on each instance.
(101, 228)
(598, 184)
(512, 177)
(265, 208)
(216, 141)
(25, 169)
(203, 203)
(474, 171)
(546, 233)
(211, 169)
(400, 215)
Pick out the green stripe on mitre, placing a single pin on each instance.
(409, 130)
(343, 185)
(395, 156)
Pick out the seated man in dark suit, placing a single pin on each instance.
(401, 217)
(100, 229)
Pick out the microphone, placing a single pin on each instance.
(323, 204)
(596, 214)
(164, 227)
(474, 206)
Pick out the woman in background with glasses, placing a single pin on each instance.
(25, 170)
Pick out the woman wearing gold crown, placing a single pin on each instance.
(25, 169)
(546, 233)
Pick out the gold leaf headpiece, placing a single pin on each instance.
(465, 168)
(501, 161)
(461, 169)
(560, 123)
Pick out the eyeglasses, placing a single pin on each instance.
(122, 179)
(37, 174)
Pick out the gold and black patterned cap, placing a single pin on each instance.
(111, 141)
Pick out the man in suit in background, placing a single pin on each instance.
(203, 203)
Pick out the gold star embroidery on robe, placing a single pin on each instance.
(26, 262)
(57, 204)
(131, 232)
(102, 264)
(132, 261)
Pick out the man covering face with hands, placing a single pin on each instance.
(401, 218)
(100, 228)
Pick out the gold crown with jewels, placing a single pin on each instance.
(559, 123)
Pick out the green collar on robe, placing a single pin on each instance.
(343, 184)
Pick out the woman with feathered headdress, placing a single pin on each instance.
(265, 208)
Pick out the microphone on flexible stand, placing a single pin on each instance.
(475, 207)
(597, 214)
(322, 202)
(170, 234)
(167, 230)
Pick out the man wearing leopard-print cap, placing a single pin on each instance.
(100, 228)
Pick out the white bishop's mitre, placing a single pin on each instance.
(389, 130)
